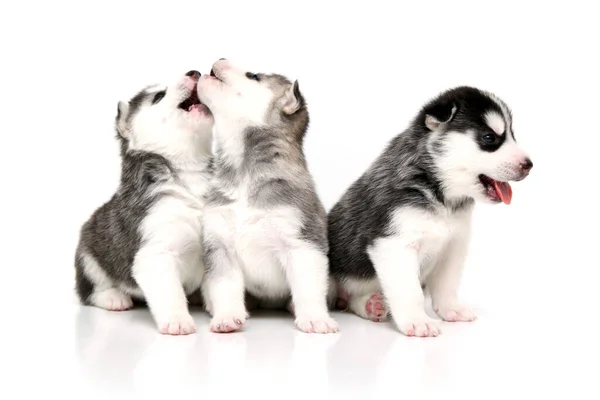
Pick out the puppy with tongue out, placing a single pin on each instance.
(402, 229)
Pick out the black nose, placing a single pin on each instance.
(193, 74)
(222, 59)
(526, 165)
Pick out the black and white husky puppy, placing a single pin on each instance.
(265, 227)
(146, 242)
(404, 225)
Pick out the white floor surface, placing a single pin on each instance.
(511, 349)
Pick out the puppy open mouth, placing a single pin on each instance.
(192, 102)
(496, 190)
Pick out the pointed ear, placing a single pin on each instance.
(439, 115)
(292, 100)
(121, 119)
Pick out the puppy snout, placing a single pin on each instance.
(526, 165)
(193, 74)
(523, 168)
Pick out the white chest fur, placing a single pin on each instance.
(174, 226)
(431, 234)
(258, 239)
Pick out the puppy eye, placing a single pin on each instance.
(252, 76)
(159, 96)
(489, 138)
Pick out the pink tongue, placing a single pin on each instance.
(504, 191)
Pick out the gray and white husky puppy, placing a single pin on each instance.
(146, 242)
(404, 226)
(265, 227)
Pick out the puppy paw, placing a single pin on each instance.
(317, 325)
(418, 324)
(112, 300)
(455, 313)
(177, 325)
(375, 308)
(227, 324)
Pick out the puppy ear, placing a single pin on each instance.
(121, 119)
(292, 100)
(439, 115)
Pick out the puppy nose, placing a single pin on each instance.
(526, 165)
(193, 74)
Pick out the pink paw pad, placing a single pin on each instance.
(376, 310)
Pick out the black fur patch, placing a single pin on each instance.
(471, 107)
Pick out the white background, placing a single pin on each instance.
(365, 69)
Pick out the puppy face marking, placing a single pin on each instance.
(495, 122)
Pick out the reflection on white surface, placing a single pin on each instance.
(122, 354)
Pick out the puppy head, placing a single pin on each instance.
(166, 119)
(476, 150)
(252, 99)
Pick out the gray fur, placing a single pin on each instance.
(111, 235)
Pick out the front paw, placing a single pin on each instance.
(177, 325)
(455, 313)
(418, 324)
(227, 324)
(309, 324)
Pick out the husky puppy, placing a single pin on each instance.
(265, 227)
(404, 225)
(145, 242)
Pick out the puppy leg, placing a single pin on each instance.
(307, 273)
(397, 265)
(370, 306)
(444, 281)
(365, 299)
(224, 289)
(96, 288)
(156, 272)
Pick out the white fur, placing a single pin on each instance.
(495, 122)
(247, 101)
(169, 266)
(463, 161)
(424, 248)
(112, 299)
(178, 135)
(105, 295)
(362, 293)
